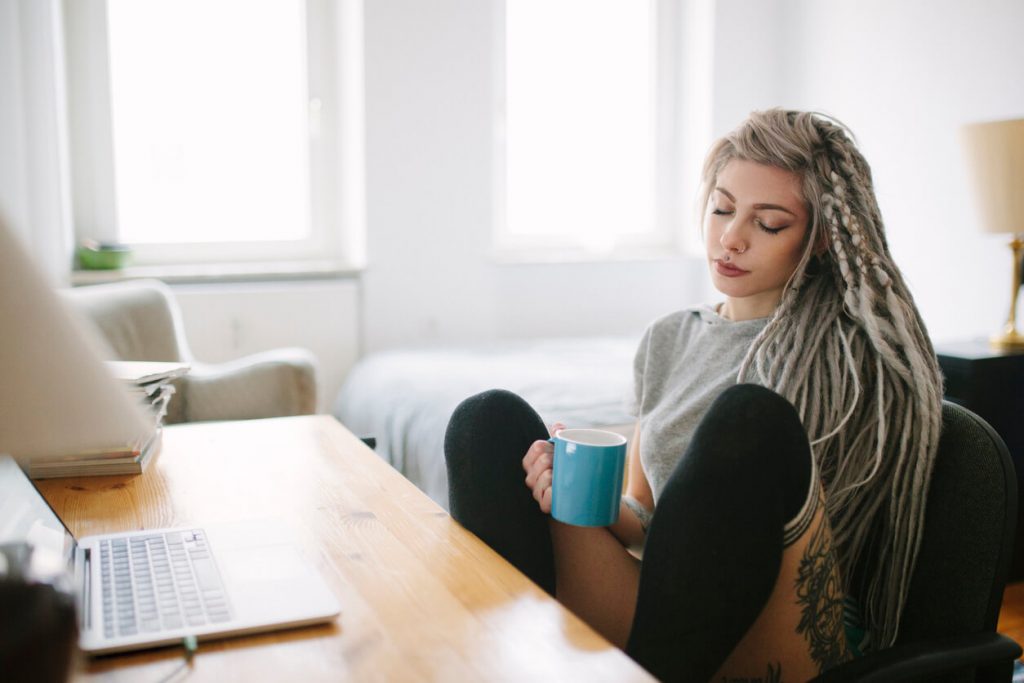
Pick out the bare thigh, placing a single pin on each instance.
(799, 633)
(596, 578)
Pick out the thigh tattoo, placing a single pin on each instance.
(820, 596)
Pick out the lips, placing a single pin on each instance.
(728, 270)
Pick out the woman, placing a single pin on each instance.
(784, 443)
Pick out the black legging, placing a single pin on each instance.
(714, 545)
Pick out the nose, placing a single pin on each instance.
(731, 239)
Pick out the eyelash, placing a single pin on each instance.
(770, 231)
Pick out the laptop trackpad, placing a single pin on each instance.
(262, 564)
(272, 582)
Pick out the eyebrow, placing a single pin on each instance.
(759, 207)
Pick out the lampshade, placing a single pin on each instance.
(995, 157)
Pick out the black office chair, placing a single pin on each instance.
(948, 631)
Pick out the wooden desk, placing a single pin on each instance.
(421, 598)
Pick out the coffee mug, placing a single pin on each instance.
(587, 480)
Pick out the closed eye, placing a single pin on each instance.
(770, 230)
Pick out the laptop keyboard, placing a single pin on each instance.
(159, 582)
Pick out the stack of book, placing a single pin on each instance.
(149, 383)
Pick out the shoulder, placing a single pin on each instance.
(683, 325)
(672, 331)
(686, 317)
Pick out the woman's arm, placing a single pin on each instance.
(629, 530)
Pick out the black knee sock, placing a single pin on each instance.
(484, 445)
(715, 543)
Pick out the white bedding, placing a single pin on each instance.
(404, 398)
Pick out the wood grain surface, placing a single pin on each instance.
(422, 599)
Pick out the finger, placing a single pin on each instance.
(542, 462)
(555, 427)
(536, 449)
(545, 501)
(540, 465)
(543, 486)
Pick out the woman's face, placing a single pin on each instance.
(755, 227)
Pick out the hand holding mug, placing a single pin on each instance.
(576, 476)
(538, 464)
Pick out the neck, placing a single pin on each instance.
(750, 307)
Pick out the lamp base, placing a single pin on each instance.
(1008, 340)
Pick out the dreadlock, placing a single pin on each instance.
(848, 348)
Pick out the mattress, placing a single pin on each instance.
(404, 398)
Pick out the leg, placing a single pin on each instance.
(484, 445)
(715, 546)
(597, 579)
(800, 632)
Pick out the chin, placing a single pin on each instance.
(731, 288)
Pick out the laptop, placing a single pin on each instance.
(156, 587)
(137, 589)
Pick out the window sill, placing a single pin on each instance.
(221, 272)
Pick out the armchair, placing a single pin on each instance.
(140, 320)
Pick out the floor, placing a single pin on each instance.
(1011, 617)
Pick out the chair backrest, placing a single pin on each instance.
(138, 319)
(970, 522)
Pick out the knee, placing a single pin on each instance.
(746, 406)
(752, 418)
(488, 407)
(753, 432)
(484, 444)
(494, 421)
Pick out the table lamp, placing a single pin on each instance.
(995, 155)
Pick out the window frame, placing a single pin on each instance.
(673, 189)
(336, 211)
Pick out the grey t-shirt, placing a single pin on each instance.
(685, 360)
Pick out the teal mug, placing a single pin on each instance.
(586, 486)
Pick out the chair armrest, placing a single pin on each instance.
(923, 661)
(271, 384)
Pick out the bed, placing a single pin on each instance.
(404, 398)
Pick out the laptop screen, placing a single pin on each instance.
(57, 399)
(25, 517)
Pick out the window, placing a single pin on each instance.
(589, 128)
(208, 130)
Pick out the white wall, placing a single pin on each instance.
(13, 186)
(226, 321)
(748, 64)
(33, 132)
(430, 90)
(905, 76)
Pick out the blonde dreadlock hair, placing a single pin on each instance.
(848, 348)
